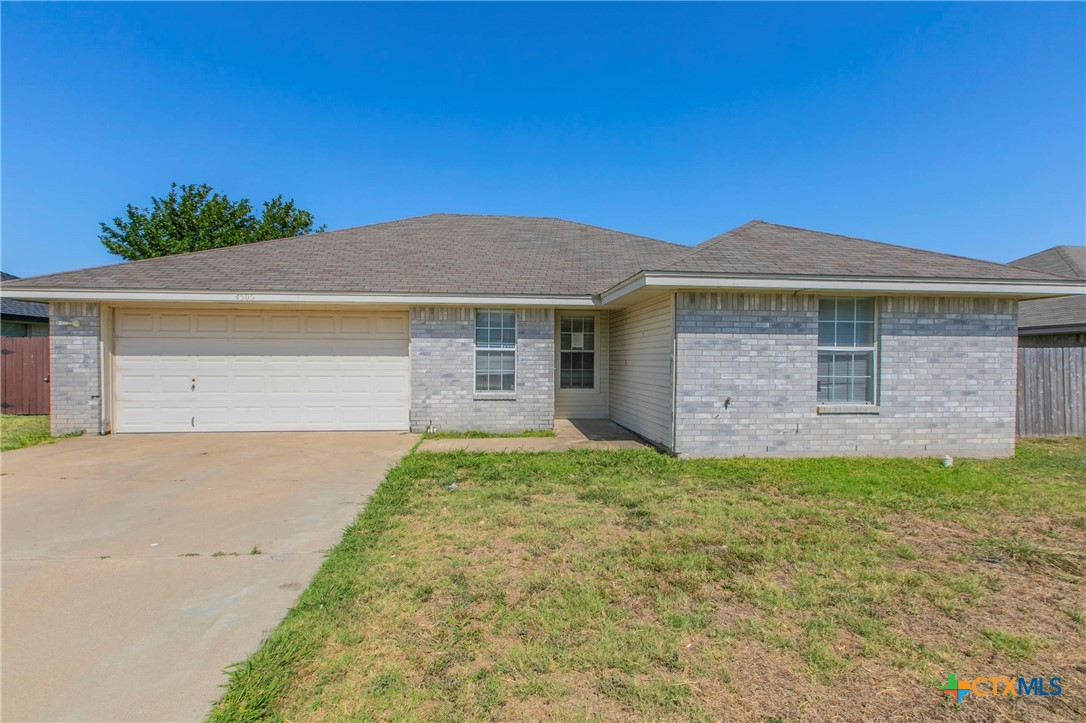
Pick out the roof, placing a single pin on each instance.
(758, 247)
(1063, 314)
(26, 310)
(511, 256)
(1060, 260)
(440, 253)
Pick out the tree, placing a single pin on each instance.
(194, 218)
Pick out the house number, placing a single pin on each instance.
(244, 297)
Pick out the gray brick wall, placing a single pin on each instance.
(442, 373)
(947, 378)
(75, 395)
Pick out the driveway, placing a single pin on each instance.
(117, 604)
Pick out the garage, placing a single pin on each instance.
(259, 370)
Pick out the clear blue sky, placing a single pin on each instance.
(958, 128)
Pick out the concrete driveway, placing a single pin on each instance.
(115, 605)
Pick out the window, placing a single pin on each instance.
(846, 351)
(495, 350)
(577, 350)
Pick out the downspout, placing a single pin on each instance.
(674, 369)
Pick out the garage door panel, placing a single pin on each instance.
(320, 324)
(211, 384)
(135, 322)
(161, 417)
(307, 371)
(176, 322)
(356, 324)
(151, 383)
(280, 323)
(325, 384)
(248, 323)
(245, 384)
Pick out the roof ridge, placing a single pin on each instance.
(553, 218)
(902, 246)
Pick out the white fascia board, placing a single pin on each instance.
(265, 297)
(1019, 289)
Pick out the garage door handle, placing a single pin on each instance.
(194, 385)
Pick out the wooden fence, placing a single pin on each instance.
(1051, 390)
(24, 375)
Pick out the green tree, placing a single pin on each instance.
(193, 217)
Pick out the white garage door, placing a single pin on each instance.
(212, 371)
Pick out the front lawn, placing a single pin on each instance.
(628, 584)
(17, 431)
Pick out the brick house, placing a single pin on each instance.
(766, 340)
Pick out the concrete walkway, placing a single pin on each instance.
(116, 605)
(569, 434)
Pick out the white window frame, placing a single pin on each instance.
(595, 352)
(476, 348)
(873, 349)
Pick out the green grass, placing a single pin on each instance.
(479, 434)
(18, 431)
(1018, 647)
(628, 584)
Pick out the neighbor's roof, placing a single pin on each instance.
(766, 248)
(1063, 313)
(512, 255)
(440, 253)
(28, 309)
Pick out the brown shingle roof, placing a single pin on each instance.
(765, 248)
(440, 253)
(454, 254)
(1068, 311)
(1061, 260)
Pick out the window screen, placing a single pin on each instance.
(577, 352)
(495, 350)
(846, 350)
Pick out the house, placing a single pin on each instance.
(1052, 350)
(765, 340)
(22, 318)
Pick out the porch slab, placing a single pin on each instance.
(569, 434)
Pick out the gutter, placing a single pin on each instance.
(1017, 288)
(669, 281)
(265, 297)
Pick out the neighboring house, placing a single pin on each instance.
(1052, 350)
(766, 340)
(22, 318)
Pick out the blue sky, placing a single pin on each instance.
(958, 128)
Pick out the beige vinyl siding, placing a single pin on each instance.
(641, 368)
(584, 403)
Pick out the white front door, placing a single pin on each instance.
(253, 370)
